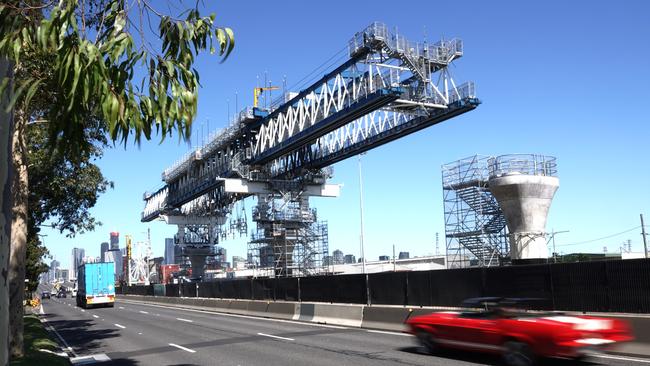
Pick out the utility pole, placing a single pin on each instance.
(645, 244)
(553, 233)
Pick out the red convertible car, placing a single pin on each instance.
(502, 326)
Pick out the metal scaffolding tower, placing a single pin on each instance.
(289, 240)
(475, 226)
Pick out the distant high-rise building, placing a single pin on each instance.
(115, 256)
(115, 240)
(77, 259)
(337, 257)
(384, 258)
(349, 259)
(102, 251)
(327, 260)
(51, 274)
(169, 251)
(238, 262)
(404, 255)
(63, 274)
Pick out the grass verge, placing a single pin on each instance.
(37, 339)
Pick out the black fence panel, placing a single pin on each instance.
(317, 288)
(286, 289)
(244, 289)
(350, 289)
(209, 289)
(188, 290)
(580, 286)
(388, 288)
(418, 290)
(629, 285)
(451, 287)
(263, 289)
(607, 286)
(172, 290)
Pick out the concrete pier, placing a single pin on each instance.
(525, 200)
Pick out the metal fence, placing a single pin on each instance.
(607, 286)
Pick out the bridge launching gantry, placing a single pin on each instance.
(387, 88)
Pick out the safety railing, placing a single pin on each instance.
(528, 164)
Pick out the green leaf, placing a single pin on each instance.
(231, 43)
(30, 92)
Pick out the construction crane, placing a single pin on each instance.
(258, 91)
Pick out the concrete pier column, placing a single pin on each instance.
(525, 201)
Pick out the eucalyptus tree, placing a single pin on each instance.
(96, 50)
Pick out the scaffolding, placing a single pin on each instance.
(289, 240)
(475, 227)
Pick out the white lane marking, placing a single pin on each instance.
(43, 320)
(640, 360)
(183, 348)
(387, 332)
(95, 316)
(120, 326)
(144, 312)
(139, 333)
(86, 360)
(121, 307)
(83, 311)
(185, 320)
(272, 336)
(238, 315)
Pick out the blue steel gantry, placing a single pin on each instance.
(388, 88)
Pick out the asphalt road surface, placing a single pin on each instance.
(134, 333)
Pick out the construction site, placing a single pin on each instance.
(282, 154)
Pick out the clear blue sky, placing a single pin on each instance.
(569, 79)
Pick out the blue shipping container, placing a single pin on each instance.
(96, 284)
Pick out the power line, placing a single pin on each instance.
(602, 238)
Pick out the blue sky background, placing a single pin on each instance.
(569, 79)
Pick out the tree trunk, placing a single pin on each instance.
(20, 191)
(6, 128)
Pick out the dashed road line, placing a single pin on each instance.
(185, 320)
(144, 312)
(387, 332)
(183, 348)
(277, 337)
(95, 316)
(120, 326)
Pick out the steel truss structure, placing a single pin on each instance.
(389, 87)
(475, 226)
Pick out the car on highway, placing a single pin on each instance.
(61, 294)
(521, 336)
(45, 295)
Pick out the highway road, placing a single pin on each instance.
(135, 333)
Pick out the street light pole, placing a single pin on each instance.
(363, 256)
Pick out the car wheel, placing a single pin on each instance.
(518, 354)
(427, 341)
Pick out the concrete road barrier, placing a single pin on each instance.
(282, 310)
(385, 318)
(348, 315)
